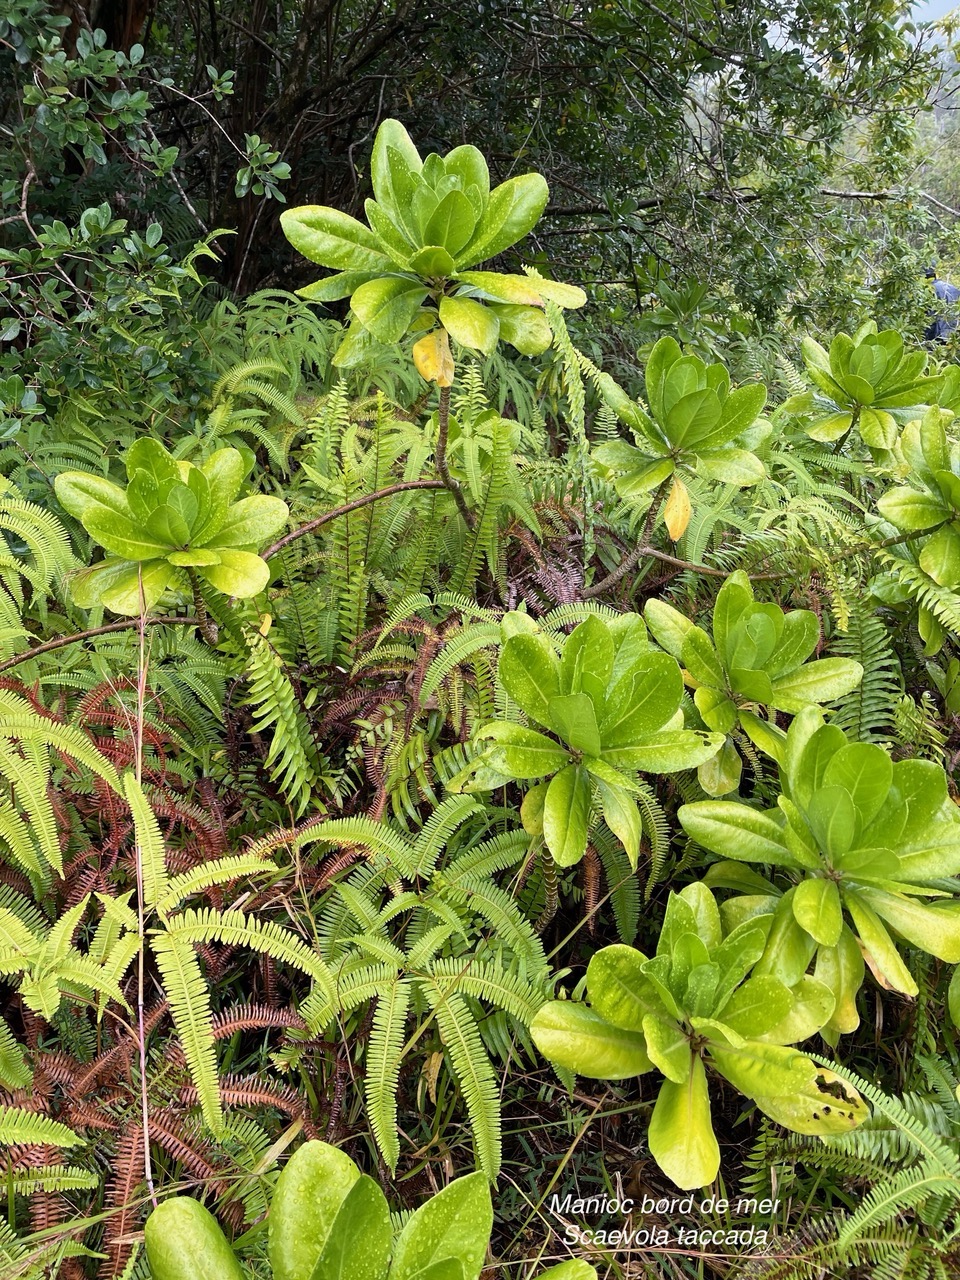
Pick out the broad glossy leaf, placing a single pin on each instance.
(333, 239)
(587, 662)
(866, 772)
(669, 1049)
(525, 328)
(812, 1006)
(499, 287)
(573, 719)
(811, 745)
(934, 929)
(721, 774)
(666, 752)
(469, 165)
(566, 815)
(576, 1038)
(831, 427)
(751, 684)
(432, 358)
(755, 1006)
(735, 831)
(530, 672)
(801, 841)
(662, 358)
(703, 904)
(193, 558)
(567, 296)
(251, 522)
(513, 210)
(789, 948)
(525, 753)
(81, 494)
(124, 586)
(432, 261)
(363, 1215)
(910, 510)
(395, 240)
(940, 556)
(239, 573)
(832, 818)
(452, 224)
(310, 1190)
(841, 969)
(758, 1067)
(700, 659)
(681, 1137)
(333, 288)
(184, 1240)
(224, 471)
(677, 509)
(667, 625)
(733, 600)
(621, 815)
(739, 411)
(801, 632)
(387, 306)
(614, 396)
(880, 952)
(730, 466)
(825, 1105)
(641, 701)
(455, 1223)
(816, 908)
(470, 323)
(718, 712)
(121, 535)
(691, 417)
(878, 429)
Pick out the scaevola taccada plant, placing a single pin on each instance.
(430, 221)
(693, 422)
(690, 1007)
(867, 382)
(757, 657)
(611, 707)
(932, 499)
(863, 847)
(174, 522)
(328, 1220)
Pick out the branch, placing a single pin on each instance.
(346, 509)
(173, 620)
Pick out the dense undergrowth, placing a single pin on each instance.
(444, 750)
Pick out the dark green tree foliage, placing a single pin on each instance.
(699, 135)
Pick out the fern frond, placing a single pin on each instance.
(382, 1068)
(472, 1070)
(186, 991)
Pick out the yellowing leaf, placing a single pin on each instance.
(431, 355)
(676, 514)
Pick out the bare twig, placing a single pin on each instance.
(347, 507)
(60, 642)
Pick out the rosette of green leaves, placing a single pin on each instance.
(690, 1007)
(610, 706)
(408, 268)
(868, 381)
(172, 521)
(693, 422)
(756, 657)
(932, 499)
(868, 848)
